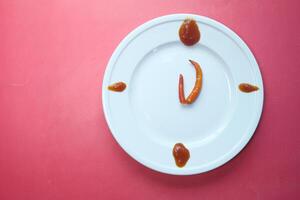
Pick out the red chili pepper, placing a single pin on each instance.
(198, 84)
(181, 90)
(197, 87)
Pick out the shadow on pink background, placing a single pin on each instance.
(54, 141)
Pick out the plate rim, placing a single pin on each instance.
(141, 28)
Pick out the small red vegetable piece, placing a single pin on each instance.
(197, 87)
(117, 87)
(246, 87)
(181, 90)
(198, 84)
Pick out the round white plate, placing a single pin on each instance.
(147, 118)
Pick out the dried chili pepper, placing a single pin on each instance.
(197, 87)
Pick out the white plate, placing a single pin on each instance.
(147, 118)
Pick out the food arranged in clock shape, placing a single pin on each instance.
(182, 94)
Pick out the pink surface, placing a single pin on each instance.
(54, 141)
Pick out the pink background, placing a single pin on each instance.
(54, 141)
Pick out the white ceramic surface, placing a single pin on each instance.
(147, 118)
